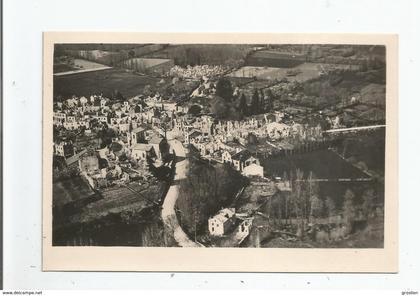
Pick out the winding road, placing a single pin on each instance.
(168, 207)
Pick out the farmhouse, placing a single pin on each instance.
(64, 149)
(243, 159)
(253, 170)
(141, 151)
(100, 118)
(277, 130)
(283, 184)
(137, 135)
(160, 145)
(208, 148)
(233, 147)
(117, 148)
(59, 118)
(88, 162)
(193, 137)
(243, 229)
(73, 160)
(83, 100)
(222, 222)
(226, 157)
(103, 102)
(103, 152)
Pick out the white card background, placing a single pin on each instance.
(25, 20)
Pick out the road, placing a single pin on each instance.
(82, 71)
(355, 128)
(168, 207)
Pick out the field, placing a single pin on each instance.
(105, 82)
(86, 64)
(109, 54)
(145, 64)
(363, 114)
(211, 54)
(97, 46)
(300, 73)
(61, 68)
(249, 88)
(274, 59)
(373, 93)
(69, 190)
(100, 56)
(368, 148)
(116, 200)
(116, 218)
(325, 164)
(370, 237)
(79, 65)
(238, 81)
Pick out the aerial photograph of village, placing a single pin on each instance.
(219, 145)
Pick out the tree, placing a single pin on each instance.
(312, 190)
(297, 194)
(56, 132)
(317, 206)
(224, 89)
(194, 110)
(165, 124)
(106, 136)
(136, 65)
(234, 114)
(349, 210)
(368, 201)
(118, 95)
(153, 235)
(330, 207)
(364, 66)
(147, 90)
(252, 139)
(197, 195)
(224, 110)
(192, 56)
(268, 99)
(204, 191)
(261, 101)
(59, 50)
(220, 108)
(255, 103)
(243, 106)
(313, 184)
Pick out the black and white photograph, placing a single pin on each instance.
(218, 145)
(222, 146)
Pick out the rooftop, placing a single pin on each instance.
(195, 133)
(224, 214)
(142, 147)
(155, 140)
(115, 147)
(242, 155)
(75, 158)
(138, 129)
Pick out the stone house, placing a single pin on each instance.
(222, 222)
(142, 151)
(253, 170)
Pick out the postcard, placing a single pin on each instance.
(220, 152)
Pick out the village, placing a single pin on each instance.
(133, 143)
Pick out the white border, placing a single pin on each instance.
(226, 259)
(24, 21)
